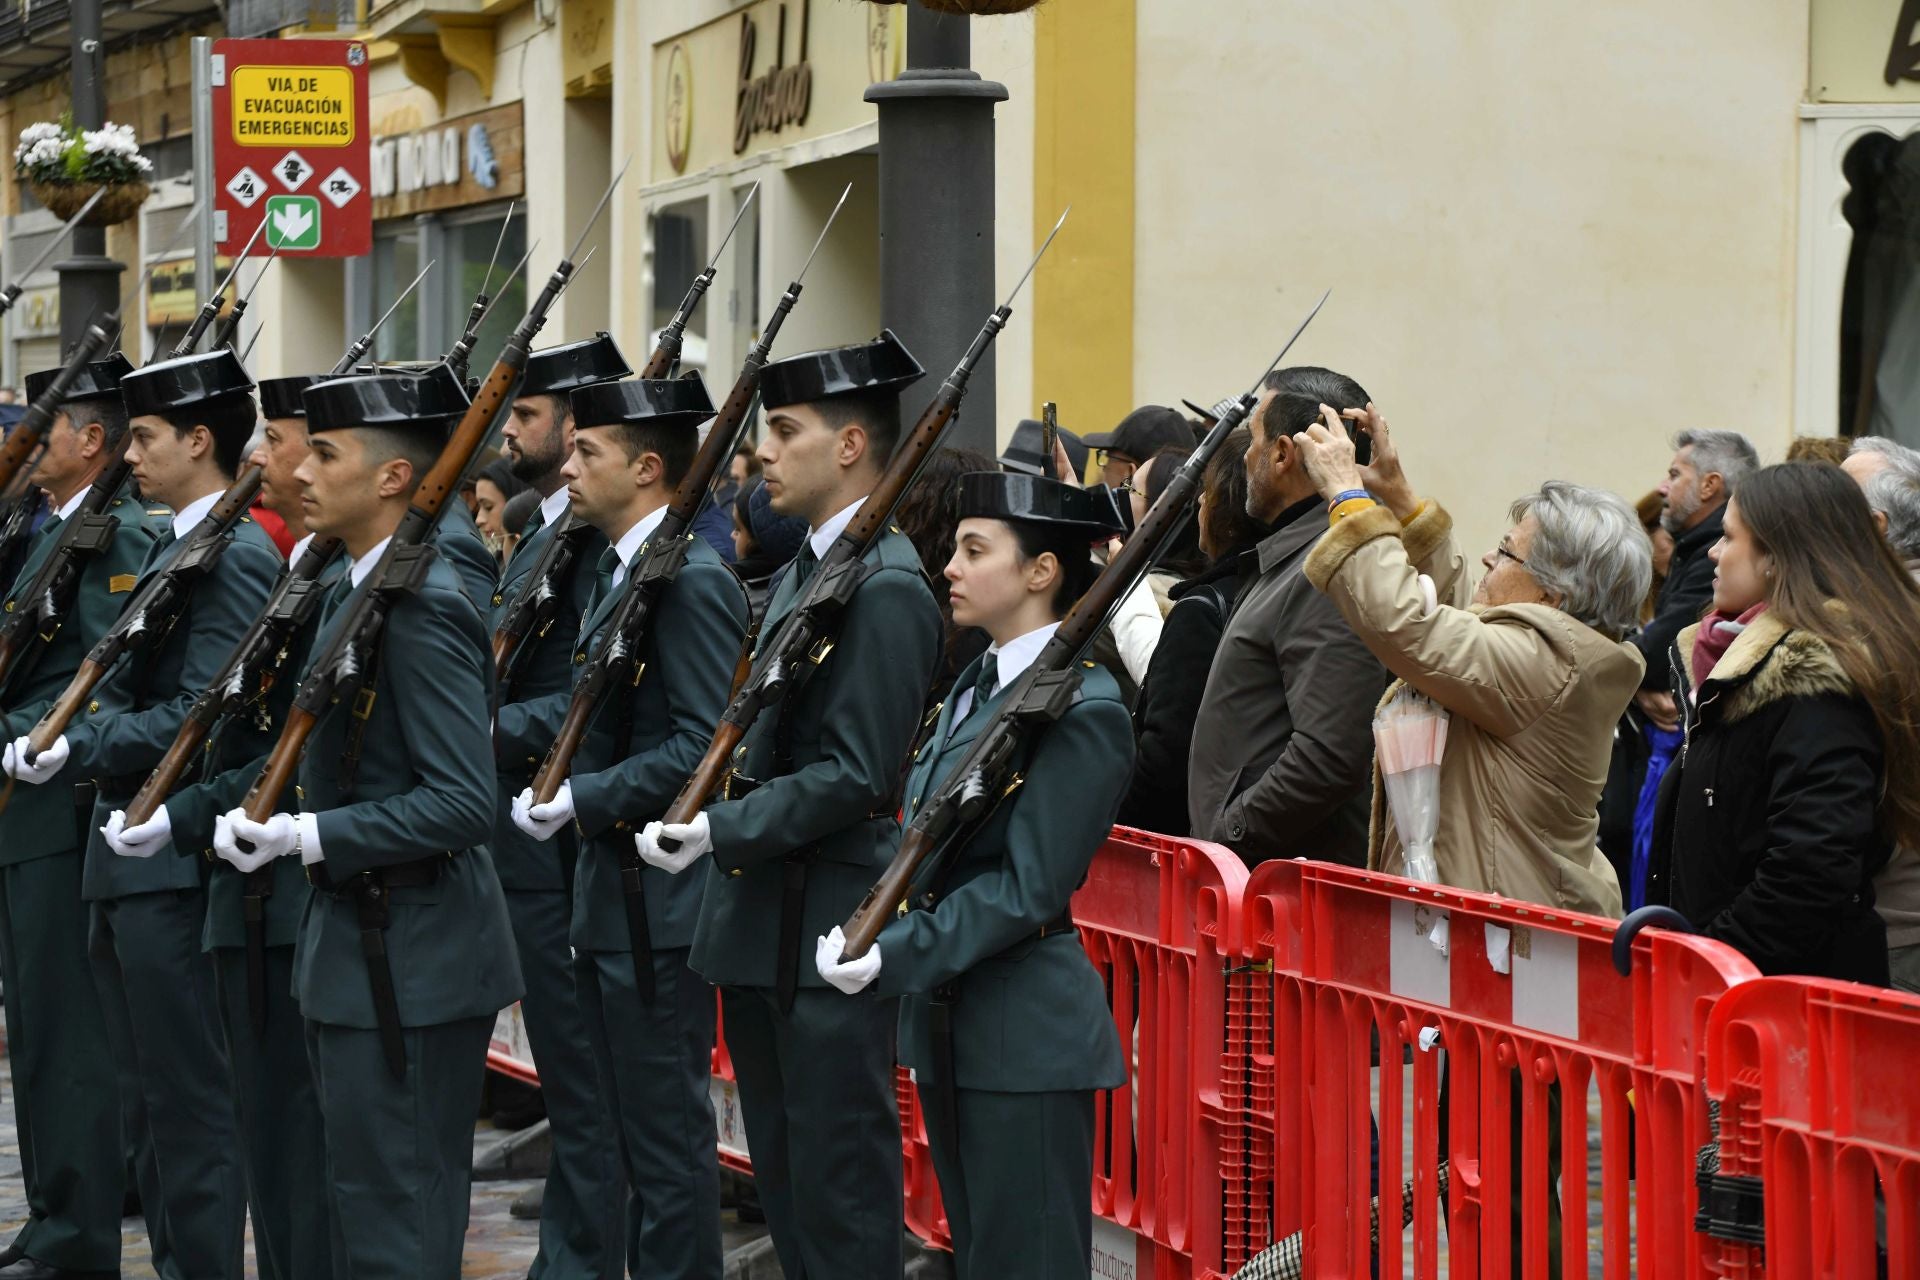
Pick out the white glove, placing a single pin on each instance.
(852, 976)
(44, 766)
(271, 839)
(694, 838)
(142, 841)
(541, 821)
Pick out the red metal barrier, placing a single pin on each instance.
(1816, 1086)
(1533, 1021)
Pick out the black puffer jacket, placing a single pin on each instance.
(1768, 834)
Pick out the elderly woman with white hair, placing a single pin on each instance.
(1530, 666)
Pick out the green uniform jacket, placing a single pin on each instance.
(423, 788)
(542, 668)
(851, 725)
(464, 549)
(666, 721)
(192, 809)
(137, 711)
(40, 821)
(1030, 1014)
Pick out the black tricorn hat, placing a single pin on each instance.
(182, 383)
(430, 401)
(1001, 495)
(99, 380)
(1023, 451)
(662, 402)
(555, 371)
(280, 397)
(884, 364)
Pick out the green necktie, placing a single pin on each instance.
(603, 571)
(535, 522)
(983, 686)
(158, 550)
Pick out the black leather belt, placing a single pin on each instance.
(371, 892)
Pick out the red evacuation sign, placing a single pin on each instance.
(290, 146)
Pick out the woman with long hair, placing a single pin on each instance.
(1801, 764)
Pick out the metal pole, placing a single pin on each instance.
(206, 234)
(936, 208)
(89, 280)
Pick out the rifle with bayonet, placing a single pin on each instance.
(816, 615)
(228, 332)
(403, 566)
(477, 313)
(364, 343)
(211, 308)
(11, 294)
(666, 351)
(1042, 693)
(537, 602)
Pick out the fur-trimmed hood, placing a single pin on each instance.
(1766, 663)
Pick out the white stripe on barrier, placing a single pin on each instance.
(1546, 982)
(1116, 1253)
(728, 1118)
(1418, 969)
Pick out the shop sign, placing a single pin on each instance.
(172, 297)
(771, 74)
(467, 160)
(290, 145)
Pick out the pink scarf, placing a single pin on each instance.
(1716, 635)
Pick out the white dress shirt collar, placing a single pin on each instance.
(553, 506)
(822, 538)
(299, 549)
(364, 565)
(630, 541)
(192, 514)
(73, 504)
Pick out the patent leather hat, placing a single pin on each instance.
(432, 401)
(884, 364)
(1002, 495)
(660, 402)
(280, 397)
(182, 383)
(99, 380)
(555, 371)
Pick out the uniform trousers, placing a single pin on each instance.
(399, 1152)
(1019, 1190)
(816, 1090)
(655, 1062)
(281, 1137)
(156, 988)
(66, 1094)
(581, 1216)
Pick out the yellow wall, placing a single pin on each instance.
(1083, 155)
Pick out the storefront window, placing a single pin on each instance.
(396, 261)
(680, 254)
(470, 249)
(1880, 309)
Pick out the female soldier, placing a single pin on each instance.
(1004, 1019)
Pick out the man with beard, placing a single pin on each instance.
(581, 1208)
(1705, 468)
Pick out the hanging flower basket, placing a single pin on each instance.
(63, 199)
(64, 165)
(976, 8)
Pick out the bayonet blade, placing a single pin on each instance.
(178, 233)
(245, 253)
(598, 209)
(822, 237)
(404, 294)
(494, 260)
(1254, 389)
(61, 238)
(494, 298)
(734, 226)
(1045, 244)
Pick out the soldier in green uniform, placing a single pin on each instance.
(404, 953)
(1004, 1019)
(580, 1213)
(278, 1109)
(190, 418)
(793, 851)
(66, 1099)
(649, 1018)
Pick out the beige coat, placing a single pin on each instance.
(1534, 696)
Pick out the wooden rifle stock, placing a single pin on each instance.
(554, 769)
(882, 902)
(707, 775)
(281, 765)
(154, 791)
(160, 593)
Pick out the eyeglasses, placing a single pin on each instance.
(1504, 550)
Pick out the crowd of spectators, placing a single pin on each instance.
(1708, 699)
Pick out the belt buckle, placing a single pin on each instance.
(363, 703)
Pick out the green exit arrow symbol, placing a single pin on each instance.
(293, 222)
